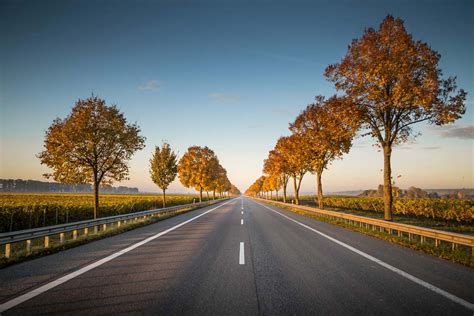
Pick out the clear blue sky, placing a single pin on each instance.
(227, 74)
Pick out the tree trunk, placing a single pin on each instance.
(387, 183)
(295, 187)
(271, 195)
(320, 189)
(207, 193)
(200, 194)
(214, 194)
(164, 198)
(96, 197)
(284, 192)
(276, 192)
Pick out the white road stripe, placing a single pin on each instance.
(27, 296)
(242, 221)
(242, 212)
(241, 254)
(402, 273)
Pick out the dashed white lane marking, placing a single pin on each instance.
(242, 212)
(402, 273)
(241, 254)
(27, 296)
(241, 221)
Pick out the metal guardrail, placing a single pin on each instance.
(376, 224)
(101, 224)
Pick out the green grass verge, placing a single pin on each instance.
(461, 255)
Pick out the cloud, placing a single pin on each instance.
(151, 85)
(462, 132)
(224, 97)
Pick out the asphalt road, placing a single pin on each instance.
(256, 260)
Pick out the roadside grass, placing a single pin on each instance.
(460, 254)
(19, 254)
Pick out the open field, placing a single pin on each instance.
(30, 210)
(450, 215)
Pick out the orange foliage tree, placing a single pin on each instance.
(91, 145)
(327, 128)
(395, 82)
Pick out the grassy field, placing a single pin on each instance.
(30, 210)
(449, 215)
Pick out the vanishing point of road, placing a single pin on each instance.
(238, 257)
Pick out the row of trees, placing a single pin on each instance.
(20, 185)
(199, 168)
(94, 143)
(386, 82)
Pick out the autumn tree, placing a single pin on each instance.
(296, 158)
(327, 128)
(395, 82)
(91, 145)
(163, 168)
(196, 167)
(275, 165)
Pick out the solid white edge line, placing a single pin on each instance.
(27, 296)
(241, 254)
(384, 264)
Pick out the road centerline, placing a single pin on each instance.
(241, 254)
(402, 273)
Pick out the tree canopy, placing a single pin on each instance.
(91, 145)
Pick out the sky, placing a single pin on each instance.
(230, 75)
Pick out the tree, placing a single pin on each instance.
(91, 145)
(395, 82)
(297, 160)
(275, 165)
(196, 167)
(327, 128)
(163, 168)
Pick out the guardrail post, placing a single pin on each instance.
(7, 250)
(96, 228)
(86, 231)
(28, 246)
(118, 224)
(46, 241)
(422, 239)
(74, 234)
(104, 227)
(409, 236)
(436, 242)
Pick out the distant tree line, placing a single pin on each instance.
(19, 185)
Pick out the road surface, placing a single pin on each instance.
(239, 257)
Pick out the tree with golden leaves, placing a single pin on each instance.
(91, 145)
(275, 165)
(327, 127)
(196, 167)
(395, 82)
(163, 168)
(296, 158)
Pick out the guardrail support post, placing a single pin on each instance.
(86, 231)
(74, 234)
(436, 242)
(7, 250)
(28, 246)
(46, 241)
(96, 228)
(104, 227)
(61, 238)
(422, 240)
(118, 224)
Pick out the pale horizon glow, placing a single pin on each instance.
(231, 78)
